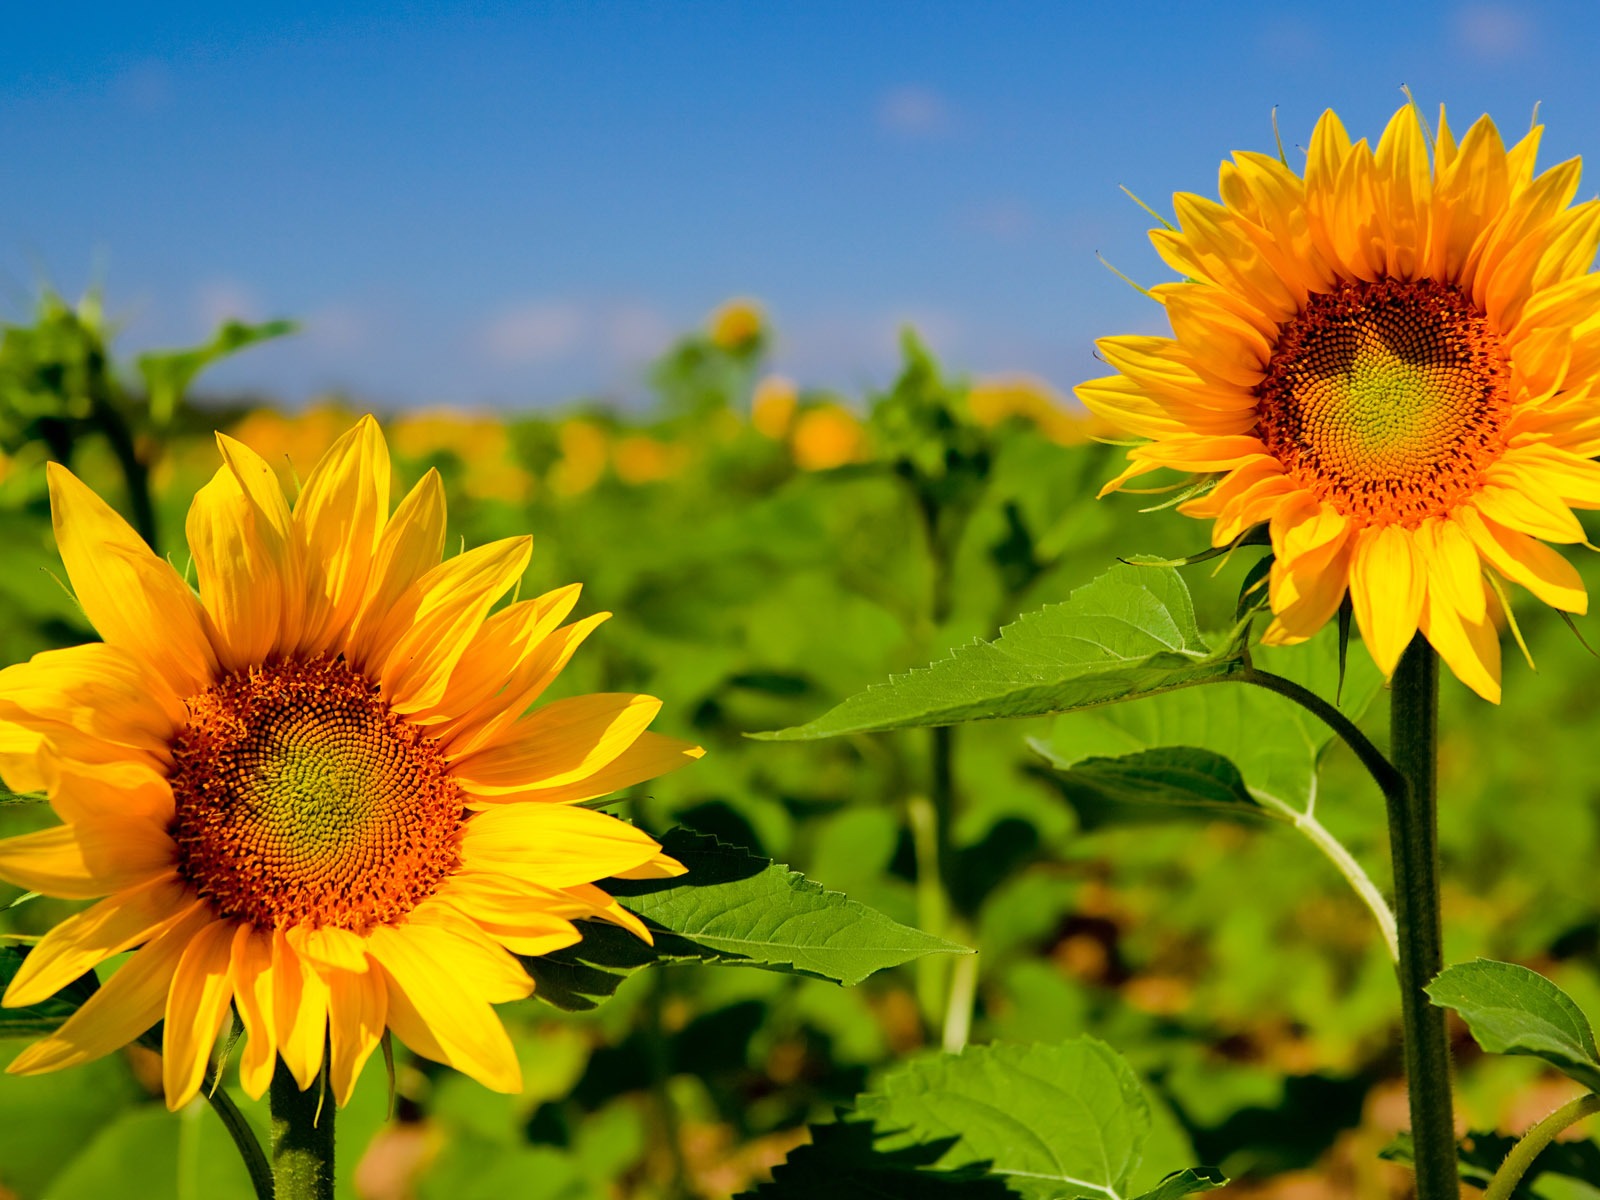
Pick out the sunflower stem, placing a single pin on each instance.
(1534, 1142)
(302, 1140)
(1414, 845)
(244, 1137)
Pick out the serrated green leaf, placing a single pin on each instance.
(45, 1017)
(1054, 1121)
(844, 1162)
(1275, 744)
(731, 908)
(1186, 1183)
(1512, 1010)
(1131, 632)
(1165, 781)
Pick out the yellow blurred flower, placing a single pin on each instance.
(772, 407)
(737, 325)
(642, 459)
(827, 436)
(481, 443)
(583, 457)
(992, 401)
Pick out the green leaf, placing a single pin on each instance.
(843, 1162)
(731, 908)
(1275, 744)
(1512, 1010)
(1186, 1183)
(1131, 632)
(36, 1020)
(1177, 778)
(1060, 1120)
(168, 373)
(1051, 1121)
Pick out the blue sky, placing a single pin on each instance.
(512, 205)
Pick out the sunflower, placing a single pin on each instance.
(1393, 364)
(315, 790)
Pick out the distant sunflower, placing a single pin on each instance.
(1392, 363)
(315, 790)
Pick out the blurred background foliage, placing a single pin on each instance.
(767, 549)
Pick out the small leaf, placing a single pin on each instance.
(1129, 633)
(1159, 783)
(168, 373)
(843, 1162)
(1186, 1183)
(731, 908)
(45, 1017)
(1512, 1010)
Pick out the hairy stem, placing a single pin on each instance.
(1534, 1142)
(1414, 845)
(302, 1139)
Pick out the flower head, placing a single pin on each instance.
(1391, 360)
(316, 790)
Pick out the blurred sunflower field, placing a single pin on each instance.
(767, 550)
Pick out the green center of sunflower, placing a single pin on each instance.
(302, 800)
(1387, 399)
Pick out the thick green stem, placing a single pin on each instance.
(302, 1139)
(1533, 1143)
(244, 1137)
(1414, 845)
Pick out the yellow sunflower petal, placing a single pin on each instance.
(299, 1011)
(1524, 560)
(1388, 582)
(82, 942)
(133, 598)
(651, 756)
(340, 515)
(127, 1004)
(82, 862)
(411, 545)
(358, 1008)
(251, 968)
(1469, 647)
(197, 1004)
(562, 742)
(449, 604)
(553, 845)
(436, 1014)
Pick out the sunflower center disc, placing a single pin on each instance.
(1387, 400)
(302, 800)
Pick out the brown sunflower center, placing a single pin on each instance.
(1387, 399)
(302, 800)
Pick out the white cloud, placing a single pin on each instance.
(636, 333)
(914, 112)
(535, 333)
(1493, 31)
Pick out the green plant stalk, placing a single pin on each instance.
(678, 1187)
(302, 1139)
(244, 1137)
(1534, 1142)
(1414, 846)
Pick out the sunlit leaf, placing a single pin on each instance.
(168, 373)
(1051, 1121)
(1512, 1010)
(731, 908)
(1129, 633)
